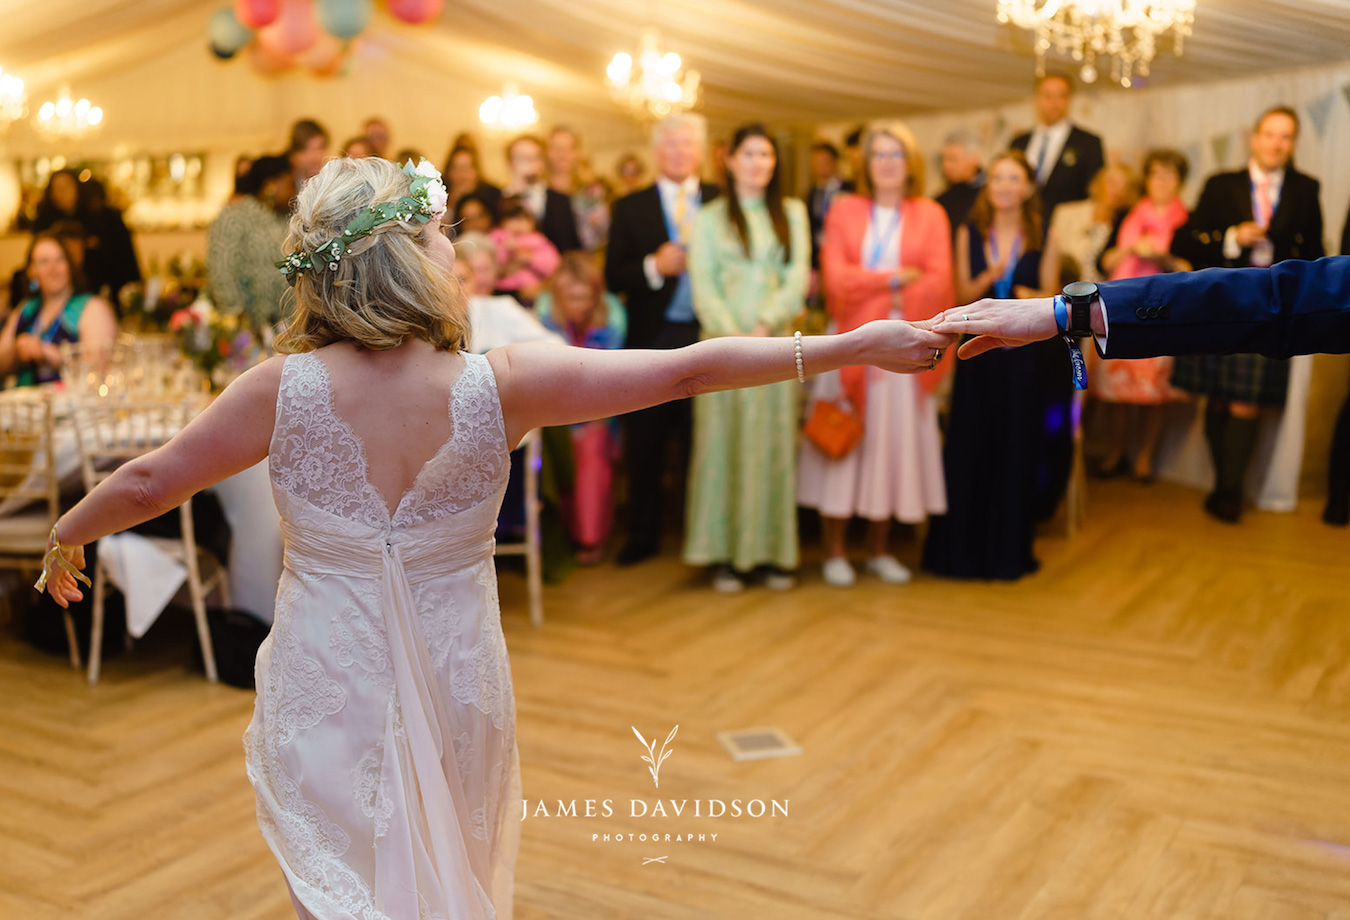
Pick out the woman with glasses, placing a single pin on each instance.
(887, 255)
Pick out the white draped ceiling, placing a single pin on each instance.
(789, 61)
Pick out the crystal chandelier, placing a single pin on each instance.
(1126, 31)
(12, 99)
(508, 112)
(654, 88)
(67, 120)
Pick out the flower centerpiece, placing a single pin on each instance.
(221, 345)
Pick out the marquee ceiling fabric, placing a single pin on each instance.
(785, 61)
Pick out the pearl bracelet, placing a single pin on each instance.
(797, 347)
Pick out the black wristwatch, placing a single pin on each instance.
(1080, 296)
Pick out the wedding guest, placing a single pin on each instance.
(357, 147)
(749, 263)
(1264, 213)
(241, 166)
(630, 172)
(473, 214)
(1080, 231)
(60, 201)
(994, 445)
(887, 254)
(376, 131)
(308, 150)
(552, 209)
(963, 168)
(109, 254)
(494, 319)
(645, 263)
(1142, 247)
(1063, 156)
(853, 153)
(244, 242)
(826, 186)
(570, 173)
(577, 307)
(717, 164)
(464, 177)
(60, 311)
(526, 259)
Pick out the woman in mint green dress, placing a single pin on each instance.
(749, 262)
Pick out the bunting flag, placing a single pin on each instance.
(1219, 144)
(1318, 111)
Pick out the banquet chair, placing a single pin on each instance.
(530, 548)
(29, 485)
(109, 432)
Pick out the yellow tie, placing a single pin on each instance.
(681, 214)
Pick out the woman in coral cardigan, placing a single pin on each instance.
(887, 254)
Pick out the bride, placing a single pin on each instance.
(382, 748)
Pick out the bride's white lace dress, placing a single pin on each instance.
(382, 747)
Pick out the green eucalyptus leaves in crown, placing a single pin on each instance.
(426, 201)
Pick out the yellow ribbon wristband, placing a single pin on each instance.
(54, 555)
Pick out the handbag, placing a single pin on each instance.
(833, 429)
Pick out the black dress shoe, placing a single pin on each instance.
(1225, 506)
(1337, 514)
(632, 553)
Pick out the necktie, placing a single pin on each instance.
(1263, 200)
(1040, 158)
(681, 214)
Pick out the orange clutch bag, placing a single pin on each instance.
(833, 430)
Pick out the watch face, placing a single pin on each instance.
(1080, 289)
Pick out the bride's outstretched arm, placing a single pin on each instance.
(231, 435)
(544, 384)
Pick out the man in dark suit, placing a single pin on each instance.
(1264, 213)
(646, 263)
(552, 209)
(1064, 156)
(826, 185)
(963, 168)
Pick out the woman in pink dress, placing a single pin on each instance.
(887, 255)
(1141, 248)
(525, 256)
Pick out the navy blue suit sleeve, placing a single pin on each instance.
(1292, 308)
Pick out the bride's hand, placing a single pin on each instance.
(903, 348)
(998, 323)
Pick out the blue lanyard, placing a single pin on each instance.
(879, 240)
(1003, 286)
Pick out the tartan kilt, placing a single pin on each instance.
(1237, 378)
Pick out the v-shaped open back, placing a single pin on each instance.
(317, 456)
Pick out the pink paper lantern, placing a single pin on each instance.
(416, 12)
(325, 57)
(295, 30)
(257, 13)
(267, 61)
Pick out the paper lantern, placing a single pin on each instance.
(267, 61)
(219, 53)
(343, 18)
(254, 14)
(294, 31)
(325, 57)
(416, 12)
(227, 33)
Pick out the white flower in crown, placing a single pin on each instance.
(437, 196)
(425, 168)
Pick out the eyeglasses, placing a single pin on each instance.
(888, 155)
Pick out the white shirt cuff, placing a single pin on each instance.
(1106, 327)
(1231, 249)
(654, 278)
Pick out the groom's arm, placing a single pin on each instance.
(1292, 308)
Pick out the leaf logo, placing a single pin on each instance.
(652, 758)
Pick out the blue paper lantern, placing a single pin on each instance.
(344, 19)
(227, 33)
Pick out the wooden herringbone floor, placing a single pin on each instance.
(1155, 727)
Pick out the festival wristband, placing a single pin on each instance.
(1061, 314)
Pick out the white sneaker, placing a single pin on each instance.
(779, 580)
(724, 580)
(889, 570)
(838, 572)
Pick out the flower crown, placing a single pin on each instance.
(425, 202)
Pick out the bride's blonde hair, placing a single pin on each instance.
(388, 289)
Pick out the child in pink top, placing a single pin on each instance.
(526, 258)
